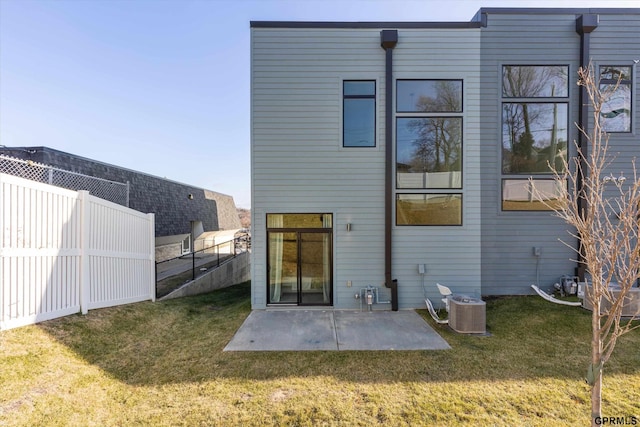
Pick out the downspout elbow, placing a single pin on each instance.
(393, 285)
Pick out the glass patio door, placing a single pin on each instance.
(283, 268)
(299, 259)
(315, 265)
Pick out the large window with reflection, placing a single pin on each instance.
(534, 137)
(615, 85)
(535, 131)
(429, 151)
(359, 113)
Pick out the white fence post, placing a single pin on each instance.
(152, 254)
(4, 292)
(85, 277)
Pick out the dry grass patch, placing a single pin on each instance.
(162, 364)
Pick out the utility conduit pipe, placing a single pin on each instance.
(388, 40)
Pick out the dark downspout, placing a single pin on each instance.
(585, 24)
(388, 40)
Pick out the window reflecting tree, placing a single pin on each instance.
(527, 81)
(429, 96)
(534, 134)
(435, 144)
(429, 149)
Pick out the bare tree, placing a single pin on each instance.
(604, 210)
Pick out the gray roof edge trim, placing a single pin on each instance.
(364, 25)
(558, 11)
(476, 21)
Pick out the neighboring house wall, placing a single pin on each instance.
(544, 38)
(508, 237)
(616, 42)
(300, 166)
(228, 218)
(169, 247)
(167, 252)
(168, 200)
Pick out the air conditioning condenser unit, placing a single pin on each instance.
(467, 315)
(630, 306)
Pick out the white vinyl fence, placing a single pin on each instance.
(62, 252)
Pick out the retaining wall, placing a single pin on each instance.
(232, 272)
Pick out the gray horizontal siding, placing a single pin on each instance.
(508, 264)
(616, 42)
(299, 165)
(451, 254)
(508, 238)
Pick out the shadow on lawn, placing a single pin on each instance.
(182, 340)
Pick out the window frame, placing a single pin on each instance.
(373, 97)
(504, 99)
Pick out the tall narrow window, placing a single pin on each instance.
(359, 113)
(429, 152)
(615, 84)
(535, 123)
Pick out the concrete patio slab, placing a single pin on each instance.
(304, 330)
(385, 330)
(285, 330)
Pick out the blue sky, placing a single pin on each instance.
(162, 86)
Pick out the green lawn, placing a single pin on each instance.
(162, 364)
